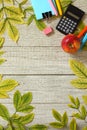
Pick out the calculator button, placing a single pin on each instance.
(67, 31)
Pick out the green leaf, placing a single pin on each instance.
(80, 83)
(1, 41)
(38, 127)
(12, 31)
(79, 27)
(17, 100)
(85, 99)
(8, 85)
(40, 24)
(57, 115)
(85, 128)
(65, 118)
(9, 128)
(1, 127)
(77, 102)
(30, 19)
(25, 109)
(26, 98)
(26, 119)
(73, 125)
(78, 68)
(57, 125)
(72, 99)
(4, 112)
(83, 112)
(78, 116)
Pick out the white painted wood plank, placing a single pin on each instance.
(46, 89)
(38, 60)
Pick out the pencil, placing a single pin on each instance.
(59, 6)
(52, 6)
(82, 32)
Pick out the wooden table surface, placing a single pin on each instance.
(40, 66)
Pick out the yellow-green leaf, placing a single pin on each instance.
(3, 94)
(2, 26)
(79, 83)
(2, 61)
(73, 125)
(26, 98)
(1, 127)
(38, 127)
(78, 68)
(12, 31)
(8, 85)
(65, 118)
(1, 53)
(1, 77)
(4, 112)
(57, 125)
(30, 19)
(25, 108)
(83, 112)
(40, 24)
(56, 115)
(17, 100)
(1, 41)
(85, 128)
(1, 13)
(8, 1)
(16, 20)
(23, 2)
(85, 99)
(26, 119)
(13, 11)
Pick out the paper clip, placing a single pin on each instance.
(59, 6)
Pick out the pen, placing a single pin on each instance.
(82, 32)
(52, 5)
(59, 6)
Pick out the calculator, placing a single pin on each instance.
(70, 20)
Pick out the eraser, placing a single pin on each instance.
(48, 30)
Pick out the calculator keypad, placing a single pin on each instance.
(66, 25)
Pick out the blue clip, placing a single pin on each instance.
(84, 40)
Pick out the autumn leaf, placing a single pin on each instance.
(84, 97)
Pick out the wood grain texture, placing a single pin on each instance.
(39, 64)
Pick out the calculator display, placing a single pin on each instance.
(73, 15)
(70, 20)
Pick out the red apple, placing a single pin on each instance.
(70, 43)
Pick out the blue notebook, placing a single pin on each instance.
(40, 7)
